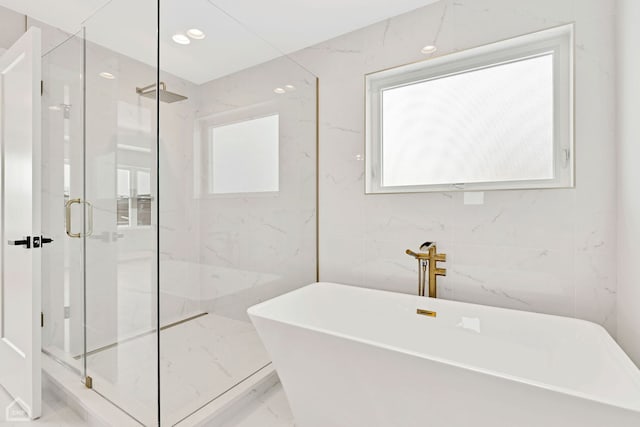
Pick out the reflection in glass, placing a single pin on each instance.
(124, 194)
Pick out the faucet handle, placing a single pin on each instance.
(426, 245)
(440, 257)
(441, 271)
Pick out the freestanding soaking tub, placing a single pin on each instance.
(354, 357)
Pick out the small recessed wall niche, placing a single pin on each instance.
(499, 116)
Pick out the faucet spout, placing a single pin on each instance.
(413, 254)
(418, 256)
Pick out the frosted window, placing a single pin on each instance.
(492, 124)
(498, 116)
(244, 156)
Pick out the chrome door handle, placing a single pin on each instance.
(89, 230)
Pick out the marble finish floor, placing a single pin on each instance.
(55, 412)
(270, 409)
(200, 359)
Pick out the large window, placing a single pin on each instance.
(494, 117)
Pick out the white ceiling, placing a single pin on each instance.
(240, 33)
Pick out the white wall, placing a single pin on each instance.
(550, 251)
(628, 77)
(12, 27)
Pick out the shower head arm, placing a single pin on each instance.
(147, 89)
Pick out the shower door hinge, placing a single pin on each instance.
(41, 87)
(88, 382)
(41, 319)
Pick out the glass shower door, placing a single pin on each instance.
(99, 197)
(62, 153)
(119, 183)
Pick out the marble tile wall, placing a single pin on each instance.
(179, 210)
(550, 251)
(256, 246)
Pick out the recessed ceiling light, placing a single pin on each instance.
(196, 34)
(428, 49)
(290, 88)
(181, 38)
(107, 75)
(279, 90)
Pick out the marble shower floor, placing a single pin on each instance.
(200, 359)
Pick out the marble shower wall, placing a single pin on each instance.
(121, 127)
(179, 214)
(217, 253)
(255, 246)
(550, 251)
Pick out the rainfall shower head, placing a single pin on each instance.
(165, 95)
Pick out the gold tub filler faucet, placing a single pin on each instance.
(428, 259)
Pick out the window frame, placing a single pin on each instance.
(559, 41)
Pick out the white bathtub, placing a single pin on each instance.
(354, 357)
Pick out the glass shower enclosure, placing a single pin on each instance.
(100, 136)
(180, 182)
